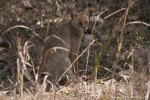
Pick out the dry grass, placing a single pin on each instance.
(130, 84)
(111, 90)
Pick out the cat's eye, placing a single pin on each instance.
(80, 23)
(86, 22)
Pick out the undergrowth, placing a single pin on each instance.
(114, 55)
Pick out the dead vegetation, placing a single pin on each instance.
(114, 50)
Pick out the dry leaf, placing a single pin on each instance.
(65, 90)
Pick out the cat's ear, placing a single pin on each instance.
(86, 11)
(73, 13)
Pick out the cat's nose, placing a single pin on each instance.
(84, 28)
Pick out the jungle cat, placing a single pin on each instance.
(61, 49)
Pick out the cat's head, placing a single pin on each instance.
(80, 20)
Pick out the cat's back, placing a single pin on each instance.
(65, 29)
(61, 38)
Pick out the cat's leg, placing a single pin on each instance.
(73, 57)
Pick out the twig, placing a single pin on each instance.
(138, 22)
(114, 13)
(5, 6)
(100, 56)
(75, 60)
(21, 26)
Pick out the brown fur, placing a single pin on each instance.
(61, 49)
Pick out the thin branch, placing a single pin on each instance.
(114, 13)
(138, 22)
(75, 60)
(21, 26)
